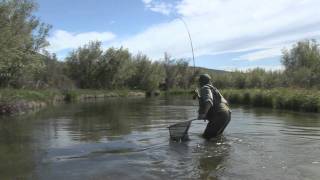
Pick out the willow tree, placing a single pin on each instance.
(302, 63)
(147, 74)
(82, 64)
(22, 37)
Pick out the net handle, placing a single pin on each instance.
(183, 121)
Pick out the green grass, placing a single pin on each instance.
(75, 95)
(14, 101)
(12, 95)
(280, 98)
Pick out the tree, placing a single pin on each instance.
(22, 37)
(53, 74)
(147, 74)
(302, 63)
(82, 64)
(115, 68)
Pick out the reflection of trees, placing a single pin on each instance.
(16, 149)
(289, 118)
(25, 139)
(112, 117)
(119, 116)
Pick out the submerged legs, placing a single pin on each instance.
(216, 127)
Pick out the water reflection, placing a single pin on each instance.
(212, 158)
(118, 117)
(128, 139)
(17, 153)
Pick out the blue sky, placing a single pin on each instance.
(227, 34)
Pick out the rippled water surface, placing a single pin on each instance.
(128, 139)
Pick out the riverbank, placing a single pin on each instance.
(15, 101)
(279, 98)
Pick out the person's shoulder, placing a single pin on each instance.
(208, 86)
(205, 87)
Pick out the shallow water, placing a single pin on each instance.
(128, 139)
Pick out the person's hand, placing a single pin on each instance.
(202, 116)
(195, 94)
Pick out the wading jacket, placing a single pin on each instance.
(209, 93)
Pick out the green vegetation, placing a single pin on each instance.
(15, 101)
(302, 70)
(50, 95)
(11, 95)
(21, 36)
(279, 98)
(25, 64)
(81, 94)
(91, 68)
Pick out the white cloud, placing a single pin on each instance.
(263, 27)
(248, 68)
(219, 26)
(199, 7)
(61, 40)
(261, 54)
(146, 1)
(158, 6)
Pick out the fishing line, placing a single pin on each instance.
(191, 44)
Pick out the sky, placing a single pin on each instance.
(226, 34)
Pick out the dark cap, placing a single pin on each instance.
(204, 78)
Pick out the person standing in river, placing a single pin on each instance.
(212, 107)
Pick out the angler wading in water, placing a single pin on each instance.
(212, 107)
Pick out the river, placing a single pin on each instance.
(127, 138)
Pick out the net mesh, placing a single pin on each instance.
(179, 131)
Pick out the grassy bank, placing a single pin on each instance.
(279, 98)
(14, 101)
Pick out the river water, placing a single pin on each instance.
(127, 139)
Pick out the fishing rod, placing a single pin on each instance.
(191, 44)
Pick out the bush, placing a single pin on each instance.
(298, 100)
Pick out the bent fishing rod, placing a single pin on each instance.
(191, 44)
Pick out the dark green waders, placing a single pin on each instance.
(218, 114)
(217, 124)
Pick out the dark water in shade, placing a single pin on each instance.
(128, 139)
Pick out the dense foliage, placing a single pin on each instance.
(22, 36)
(302, 64)
(301, 69)
(24, 63)
(278, 98)
(89, 67)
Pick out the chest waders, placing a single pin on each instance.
(219, 115)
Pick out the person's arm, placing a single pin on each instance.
(205, 102)
(196, 94)
(203, 110)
